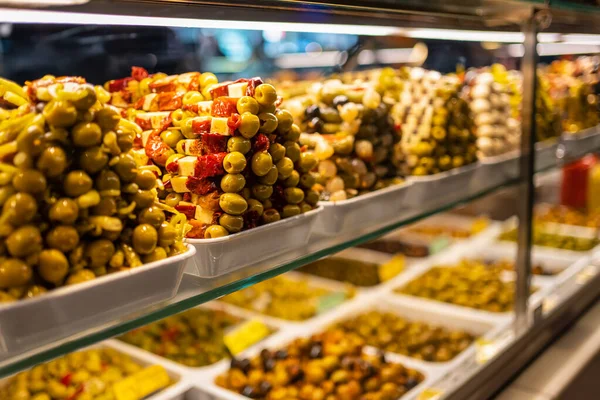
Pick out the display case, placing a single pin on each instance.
(426, 168)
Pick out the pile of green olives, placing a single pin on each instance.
(73, 204)
(355, 272)
(542, 237)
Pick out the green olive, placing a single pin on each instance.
(107, 180)
(158, 254)
(171, 137)
(77, 183)
(261, 163)
(24, 241)
(285, 166)
(65, 210)
(271, 215)
(86, 134)
(267, 203)
(312, 197)
(271, 177)
(152, 216)
(249, 125)
(292, 180)
(53, 266)
(207, 78)
(233, 223)
(14, 272)
(262, 192)
(80, 276)
(99, 252)
(167, 234)
(285, 120)
(234, 162)
(289, 210)
(144, 198)
(20, 208)
(247, 104)
(215, 231)
(107, 118)
(233, 203)
(107, 206)
(305, 207)
(292, 151)
(255, 206)
(307, 161)
(52, 161)
(60, 113)
(30, 141)
(86, 101)
(277, 152)
(126, 168)
(29, 181)
(63, 238)
(125, 140)
(93, 160)
(293, 135)
(265, 94)
(144, 239)
(23, 160)
(173, 199)
(145, 179)
(233, 183)
(246, 193)
(238, 144)
(307, 181)
(268, 122)
(293, 195)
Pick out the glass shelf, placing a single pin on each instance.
(194, 291)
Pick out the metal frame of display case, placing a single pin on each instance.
(531, 331)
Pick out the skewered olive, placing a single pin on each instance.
(107, 118)
(232, 223)
(99, 252)
(277, 152)
(249, 125)
(289, 210)
(86, 134)
(261, 163)
(53, 266)
(145, 179)
(285, 166)
(80, 276)
(265, 94)
(293, 195)
(126, 168)
(158, 254)
(14, 272)
(167, 234)
(64, 210)
(271, 215)
(262, 192)
(152, 216)
(312, 197)
(29, 181)
(144, 239)
(144, 198)
(52, 161)
(292, 180)
(284, 121)
(20, 208)
(63, 238)
(234, 162)
(215, 231)
(292, 151)
(255, 206)
(238, 144)
(93, 160)
(233, 203)
(60, 113)
(24, 241)
(271, 177)
(268, 122)
(77, 183)
(30, 141)
(247, 104)
(107, 180)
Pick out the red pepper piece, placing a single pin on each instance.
(188, 211)
(278, 197)
(201, 126)
(144, 123)
(65, 380)
(251, 219)
(223, 106)
(166, 84)
(209, 201)
(170, 334)
(200, 186)
(187, 197)
(172, 167)
(261, 143)
(139, 73)
(209, 165)
(234, 121)
(168, 184)
(156, 149)
(197, 231)
(220, 90)
(118, 84)
(190, 107)
(213, 143)
(252, 84)
(75, 395)
(169, 101)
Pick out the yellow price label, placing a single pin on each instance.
(245, 335)
(141, 384)
(392, 268)
(430, 394)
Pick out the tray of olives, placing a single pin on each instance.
(581, 142)
(218, 256)
(365, 212)
(313, 366)
(98, 372)
(424, 333)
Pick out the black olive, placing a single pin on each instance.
(340, 100)
(296, 373)
(281, 355)
(265, 387)
(316, 351)
(315, 125)
(268, 364)
(264, 353)
(251, 392)
(411, 383)
(312, 111)
(242, 364)
(348, 362)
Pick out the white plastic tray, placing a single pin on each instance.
(72, 309)
(383, 206)
(443, 187)
(215, 257)
(581, 142)
(174, 392)
(545, 154)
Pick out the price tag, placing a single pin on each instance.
(430, 394)
(485, 350)
(392, 268)
(438, 244)
(329, 301)
(240, 337)
(141, 384)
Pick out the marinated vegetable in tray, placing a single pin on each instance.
(285, 298)
(97, 374)
(470, 283)
(555, 240)
(390, 332)
(228, 157)
(356, 272)
(567, 215)
(193, 338)
(509, 265)
(74, 204)
(329, 365)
